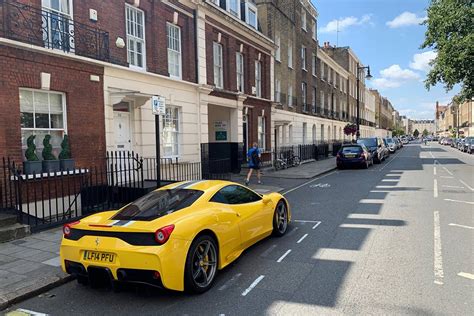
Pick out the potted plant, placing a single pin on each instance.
(32, 165)
(65, 161)
(50, 163)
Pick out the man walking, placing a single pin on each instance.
(254, 155)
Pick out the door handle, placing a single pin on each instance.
(238, 214)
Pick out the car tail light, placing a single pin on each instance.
(163, 234)
(67, 228)
(338, 155)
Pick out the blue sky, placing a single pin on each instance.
(386, 35)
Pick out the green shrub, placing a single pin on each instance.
(30, 152)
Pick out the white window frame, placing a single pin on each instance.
(258, 78)
(315, 37)
(304, 95)
(239, 65)
(313, 101)
(49, 129)
(238, 13)
(68, 28)
(313, 68)
(303, 19)
(290, 96)
(278, 90)
(278, 50)
(290, 54)
(322, 71)
(261, 133)
(251, 7)
(177, 132)
(303, 57)
(218, 62)
(134, 38)
(171, 51)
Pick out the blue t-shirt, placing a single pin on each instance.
(251, 156)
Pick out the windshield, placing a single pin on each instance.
(351, 150)
(157, 204)
(369, 142)
(389, 140)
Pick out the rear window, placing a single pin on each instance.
(351, 149)
(368, 142)
(157, 204)
(389, 140)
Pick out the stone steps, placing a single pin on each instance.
(10, 229)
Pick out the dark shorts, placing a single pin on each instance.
(255, 167)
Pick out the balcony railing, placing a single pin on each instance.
(53, 30)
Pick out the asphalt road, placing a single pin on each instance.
(394, 239)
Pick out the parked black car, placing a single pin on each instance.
(468, 145)
(354, 155)
(376, 147)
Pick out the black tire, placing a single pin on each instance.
(198, 279)
(340, 167)
(280, 219)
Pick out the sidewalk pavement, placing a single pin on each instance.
(29, 266)
(307, 170)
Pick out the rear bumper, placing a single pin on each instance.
(132, 263)
(350, 162)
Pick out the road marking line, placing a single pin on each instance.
(467, 202)
(389, 180)
(463, 226)
(389, 162)
(450, 173)
(434, 170)
(302, 238)
(284, 255)
(438, 255)
(229, 282)
(304, 221)
(308, 182)
(316, 225)
(432, 156)
(466, 275)
(22, 311)
(452, 186)
(467, 185)
(254, 284)
(446, 177)
(435, 188)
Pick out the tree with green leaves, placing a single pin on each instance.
(450, 32)
(425, 132)
(416, 133)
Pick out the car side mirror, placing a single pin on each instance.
(266, 199)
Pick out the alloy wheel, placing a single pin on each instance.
(204, 263)
(281, 218)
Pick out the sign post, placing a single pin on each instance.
(158, 108)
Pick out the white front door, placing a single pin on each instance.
(122, 131)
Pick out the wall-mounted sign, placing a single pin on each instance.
(221, 135)
(220, 125)
(158, 105)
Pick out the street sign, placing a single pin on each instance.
(158, 105)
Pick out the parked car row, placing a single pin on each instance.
(465, 144)
(367, 151)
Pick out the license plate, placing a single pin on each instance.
(350, 155)
(96, 256)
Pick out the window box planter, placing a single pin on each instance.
(32, 167)
(50, 166)
(66, 164)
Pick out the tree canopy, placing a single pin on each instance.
(425, 132)
(416, 133)
(450, 32)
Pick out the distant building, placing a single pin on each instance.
(421, 125)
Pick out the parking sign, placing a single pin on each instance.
(158, 105)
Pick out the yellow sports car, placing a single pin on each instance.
(176, 237)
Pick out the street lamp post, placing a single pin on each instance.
(368, 77)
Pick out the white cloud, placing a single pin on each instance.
(422, 61)
(344, 23)
(405, 19)
(393, 77)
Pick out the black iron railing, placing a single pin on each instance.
(52, 29)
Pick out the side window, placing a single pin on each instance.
(235, 194)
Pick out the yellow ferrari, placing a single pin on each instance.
(176, 237)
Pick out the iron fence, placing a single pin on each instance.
(49, 199)
(52, 29)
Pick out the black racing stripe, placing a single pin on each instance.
(135, 239)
